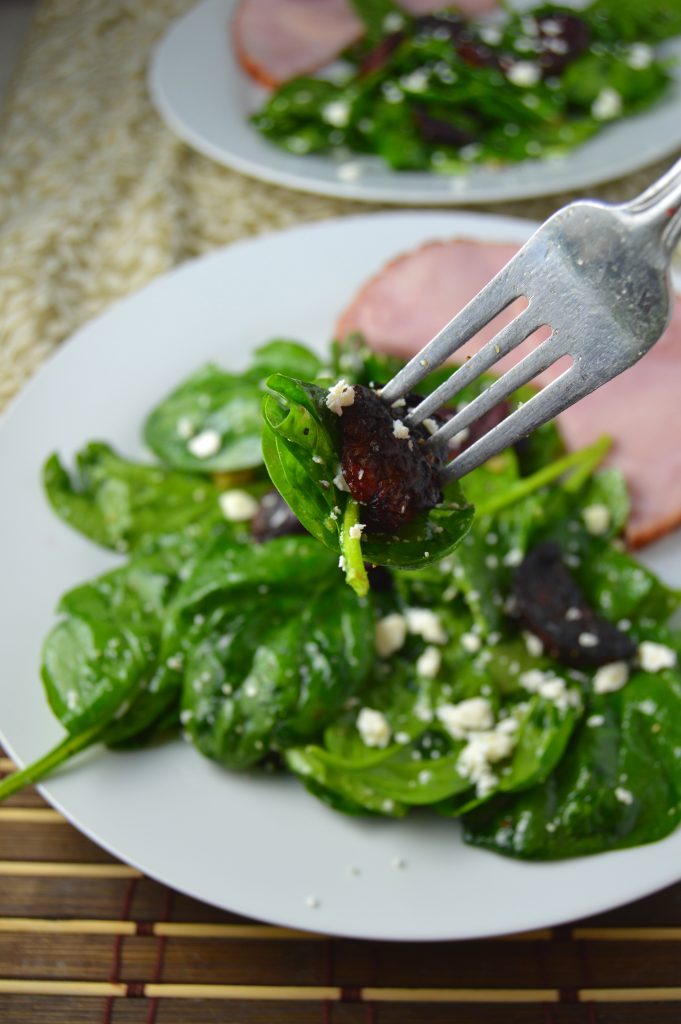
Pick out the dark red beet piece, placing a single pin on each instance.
(470, 48)
(392, 478)
(380, 54)
(563, 38)
(274, 518)
(439, 132)
(548, 601)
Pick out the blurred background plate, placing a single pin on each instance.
(204, 96)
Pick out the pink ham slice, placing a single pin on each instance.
(401, 308)
(278, 39)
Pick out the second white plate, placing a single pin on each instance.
(204, 96)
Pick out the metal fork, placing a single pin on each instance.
(599, 276)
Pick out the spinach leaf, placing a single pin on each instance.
(618, 785)
(128, 506)
(301, 446)
(265, 664)
(224, 409)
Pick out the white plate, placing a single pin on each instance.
(255, 845)
(200, 90)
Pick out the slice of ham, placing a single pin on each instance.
(415, 295)
(278, 39)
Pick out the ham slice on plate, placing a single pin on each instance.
(415, 295)
(278, 39)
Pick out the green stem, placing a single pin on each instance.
(45, 765)
(582, 462)
(351, 549)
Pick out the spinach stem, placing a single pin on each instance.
(582, 462)
(351, 547)
(39, 769)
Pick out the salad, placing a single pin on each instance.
(439, 92)
(498, 657)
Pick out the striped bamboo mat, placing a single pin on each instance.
(86, 938)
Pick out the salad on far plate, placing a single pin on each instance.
(427, 86)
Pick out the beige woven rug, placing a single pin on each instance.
(97, 196)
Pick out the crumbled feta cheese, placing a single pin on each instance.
(595, 721)
(491, 35)
(374, 728)
(400, 430)
(402, 738)
(341, 484)
(573, 615)
(237, 506)
(459, 438)
(355, 531)
(608, 104)
(341, 563)
(318, 459)
(587, 640)
(533, 645)
(513, 557)
(551, 27)
(471, 642)
(653, 657)
(524, 73)
(72, 700)
(428, 664)
(393, 22)
(640, 56)
(186, 716)
(471, 715)
(339, 396)
(185, 427)
(624, 796)
(425, 623)
(417, 81)
(336, 113)
(312, 902)
(431, 425)
(482, 750)
(205, 444)
(390, 634)
(424, 776)
(612, 677)
(349, 170)
(596, 519)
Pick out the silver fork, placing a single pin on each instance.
(599, 276)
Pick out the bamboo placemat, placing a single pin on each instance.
(97, 198)
(85, 938)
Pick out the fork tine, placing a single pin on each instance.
(546, 353)
(500, 345)
(547, 403)
(488, 303)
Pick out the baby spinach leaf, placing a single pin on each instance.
(266, 664)
(301, 446)
(127, 505)
(224, 410)
(618, 785)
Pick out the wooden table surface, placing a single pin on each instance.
(84, 938)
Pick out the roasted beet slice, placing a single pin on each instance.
(551, 605)
(379, 55)
(392, 477)
(274, 518)
(563, 38)
(467, 44)
(439, 132)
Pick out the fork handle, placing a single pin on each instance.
(660, 206)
